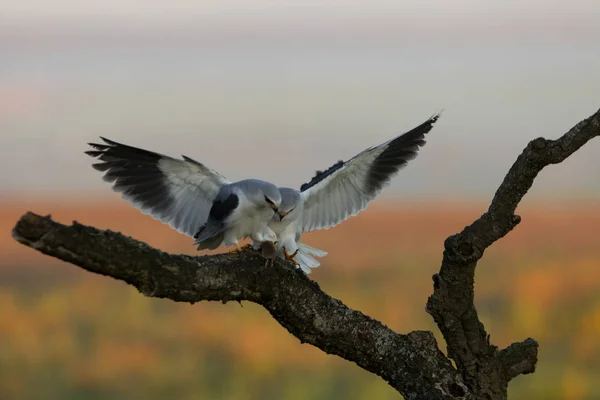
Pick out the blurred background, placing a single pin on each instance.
(302, 84)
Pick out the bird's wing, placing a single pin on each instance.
(177, 192)
(346, 188)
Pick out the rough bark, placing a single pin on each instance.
(411, 363)
(485, 369)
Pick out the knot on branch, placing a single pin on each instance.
(456, 390)
(515, 220)
(459, 249)
(425, 338)
(538, 144)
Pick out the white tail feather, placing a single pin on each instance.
(306, 263)
(305, 258)
(306, 249)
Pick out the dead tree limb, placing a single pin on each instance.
(485, 370)
(411, 363)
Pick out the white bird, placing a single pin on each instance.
(341, 191)
(284, 226)
(187, 195)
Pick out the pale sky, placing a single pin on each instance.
(553, 18)
(302, 84)
(160, 10)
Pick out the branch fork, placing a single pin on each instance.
(411, 363)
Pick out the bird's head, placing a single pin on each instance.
(290, 198)
(271, 196)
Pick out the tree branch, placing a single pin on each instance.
(411, 363)
(485, 369)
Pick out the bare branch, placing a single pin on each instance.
(519, 358)
(483, 367)
(411, 363)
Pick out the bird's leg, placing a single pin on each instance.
(290, 257)
(239, 249)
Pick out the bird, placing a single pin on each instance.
(189, 196)
(288, 236)
(339, 192)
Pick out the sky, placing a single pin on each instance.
(277, 90)
(160, 11)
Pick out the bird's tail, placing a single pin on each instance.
(306, 257)
(304, 248)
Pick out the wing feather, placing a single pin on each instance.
(346, 188)
(177, 192)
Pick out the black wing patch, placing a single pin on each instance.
(220, 210)
(320, 175)
(133, 172)
(397, 154)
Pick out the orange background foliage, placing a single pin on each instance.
(68, 334)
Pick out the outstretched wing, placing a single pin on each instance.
(346, 188)
(177, 192)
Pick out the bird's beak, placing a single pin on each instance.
(282, 214)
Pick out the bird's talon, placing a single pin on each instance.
(290, 257)
(239, 248)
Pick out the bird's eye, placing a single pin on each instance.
(268, 200)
